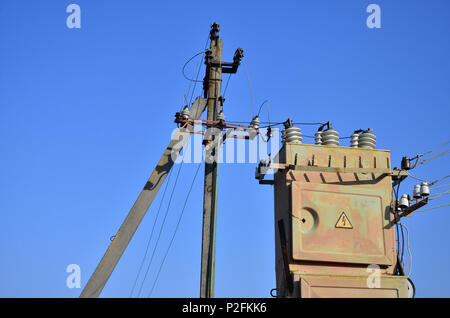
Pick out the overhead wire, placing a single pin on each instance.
(226, 86)
(430, 151)
(437, 195)
(151, 234)
(441, 186)
(434, 157)
(187, 62)
(410, 175)
(161, 228)
(439, 180)
(198, 72)
(175, 232)
(436, 207)
(430, 183)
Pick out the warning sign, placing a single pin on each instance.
(343, 222)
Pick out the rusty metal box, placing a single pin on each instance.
(317, 286)
(336, 204)
(338, 223)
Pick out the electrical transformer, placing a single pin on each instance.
(334, 224)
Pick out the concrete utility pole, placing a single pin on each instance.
(212, 87)
(120, 242)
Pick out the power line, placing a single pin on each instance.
(441, 186)
(175, 232)
(162, 226)
(430, 151)
(436, 207)
(187, 62)
(430, 183)
(438, 180)
(434, 157)
(437, 195)
(198, 71)
(226, 86)
(151, 234)
(410, 175)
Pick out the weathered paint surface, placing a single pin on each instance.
(322, 184)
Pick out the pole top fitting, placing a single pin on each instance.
(288, 123)
(214, 30)
(238, 55)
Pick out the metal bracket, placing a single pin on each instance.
(287, 272)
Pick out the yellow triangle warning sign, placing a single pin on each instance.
(343, 222)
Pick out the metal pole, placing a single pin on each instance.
(214, 80)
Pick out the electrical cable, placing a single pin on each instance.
(399, 244)
(184, 66)
(438, 180)
(437, 195)
(260, 107)
(410, 175)
(176, 229)
(430, 151)
(441, 186)
(409, 251)
(162, 226)
(275, 124)
(226, 86)
(198, 72)
(151, 234)
(402, 260)
(413, 287)
(430, 183)
(190, 83)
(268, 111)
(434, 157)
(436, 207)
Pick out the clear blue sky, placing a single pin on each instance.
(86, 113)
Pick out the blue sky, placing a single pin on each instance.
(86, 113)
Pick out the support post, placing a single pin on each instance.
(213, 81)
(120, 242)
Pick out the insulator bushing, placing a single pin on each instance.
(291, 135)
(354, 140)
(424, 189)
(367, 140)
(186, 114)
(221, 116)
(330, 137)
(254, 123)
(318, 138)
(416, 192)
(404, 202)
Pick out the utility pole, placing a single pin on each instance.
(212, 84)
(212, 88)
(215, 123)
